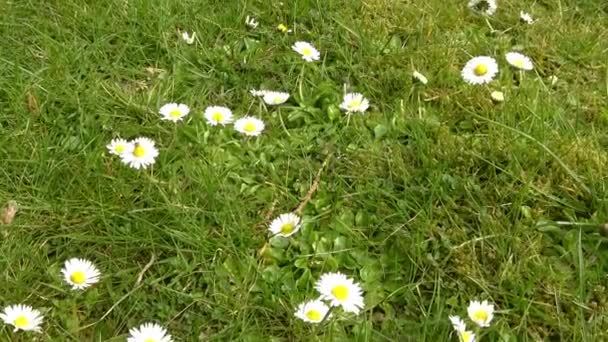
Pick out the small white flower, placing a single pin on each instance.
(519, 61)
(249, 126)
(308, 52)
(149, 332)
(258, 93)
(174, 112)
(188, 38)
(142, 154)
(119, 146)
(251, 22)
(217, 115)
(285, 225)
(354, 102)
(420, 77)
(464, 335)
(313, 311)
(553, 80)
(487, 7)
(340, 291)
(481, 313)
(274, 98)
(526, 18)
(22, 317)
(80, 273)
(480, 70)
(497, 96)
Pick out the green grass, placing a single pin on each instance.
(434, 198)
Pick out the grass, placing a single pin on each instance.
(434, 198)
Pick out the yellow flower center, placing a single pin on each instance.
(249, 127)
(519, 63)
(314, 315)
(176, 113)
(480, 70)
(21, 322)
(150, 340)
(217, 117)
(306, 51)
(282, 28)
(277, 100)
(139, 151)
(77, 277)
(354, 104)
(287, 228)
(120, 148)
(340, 292)
(480, 315)
(465, 336)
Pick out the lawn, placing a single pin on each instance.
(434, 197)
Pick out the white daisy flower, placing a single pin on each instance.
(251, 22)
(313, 311)
(481, 313)
(141, 155)
(519, 61)
(487, 7)
(526, 18)
(420, 77)
(249, 126)
(174, 112)
(80, 273)
(217, 115)
(119, 146)
(464, 335)
(149, 332)
(340, 291)
(480, 70)
(308, 52)
(274, 98)
(22, 317)
(354, 102)
(285, 225)
(189, 39)
(497, 96)
(258, 93)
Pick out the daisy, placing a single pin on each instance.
(283, 28)
(526, 18)
(251, 22)
(80, 273)
(487, 7)
(464, 335)
(481, 313)
(217, 115)
(249, 126)
(340, 291)
(22, 317)
(141, 155)
(497, 96)
(274, 98)
(188, 38)
(354, 102)
(258, 93)
(519, 61)
(285, 225)
(149, 332)
(420, 77)
(308, 52)
(313, 311)
(174, 112)
(119, 146)
(480, 70)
